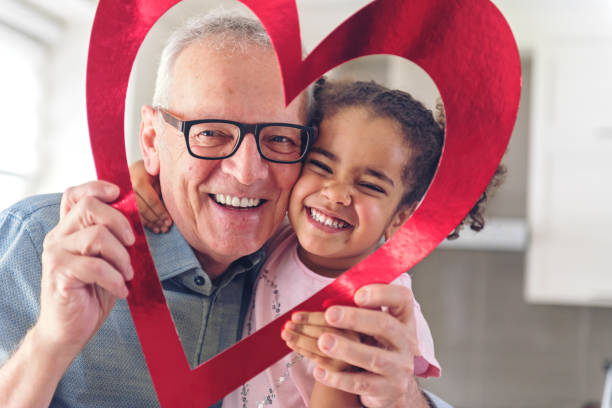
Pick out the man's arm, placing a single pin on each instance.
(388, 379)
(434, 401)
(31, 375)
(84, 268)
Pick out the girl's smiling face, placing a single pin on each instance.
(348, 195)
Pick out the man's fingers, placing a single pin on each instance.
(98, 241)
(370, 358)
(97, 271)
(102, 190)
(73, 271)
(398, 299)
(360, 383)
(90, 211)
(374, 390)
(374, 323)
(90, 256)
(386, 313)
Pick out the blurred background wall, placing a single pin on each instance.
(520, 312)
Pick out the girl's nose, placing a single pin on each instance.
(338, 193)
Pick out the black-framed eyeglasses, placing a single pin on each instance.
(216, 139)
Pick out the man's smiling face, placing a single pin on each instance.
(216, 84)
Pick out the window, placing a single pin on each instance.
(19, 118)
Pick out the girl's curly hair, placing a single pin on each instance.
(474, 218)
(422, 132)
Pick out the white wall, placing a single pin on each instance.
(67, 158)
(20, 108)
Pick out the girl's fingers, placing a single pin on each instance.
(311, 318)
(151, 204)
(307, 346)
(149, 218)
(311, 330)
(301, 341)
(147, 192)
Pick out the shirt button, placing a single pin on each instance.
(199, 280)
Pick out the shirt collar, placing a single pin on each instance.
(171, 253)
(173, 257)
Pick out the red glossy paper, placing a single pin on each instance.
(465, 46)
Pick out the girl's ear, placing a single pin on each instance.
(148, 137)
(401, 215)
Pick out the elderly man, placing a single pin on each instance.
(76, 345)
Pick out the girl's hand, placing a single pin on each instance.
(153, 214)
(302, 333)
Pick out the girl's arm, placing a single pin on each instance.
(326, 397)
(152, 211)
(303, 338)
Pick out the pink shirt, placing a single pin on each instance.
(283, 283)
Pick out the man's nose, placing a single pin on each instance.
(246, 165)
(338, 193)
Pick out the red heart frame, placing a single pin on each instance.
(465, 46)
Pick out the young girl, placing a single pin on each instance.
(373, 160)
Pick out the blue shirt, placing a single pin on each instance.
(111, 370)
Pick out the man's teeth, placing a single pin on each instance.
(327, 221)
(237, 201)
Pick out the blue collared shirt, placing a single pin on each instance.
(111, 370)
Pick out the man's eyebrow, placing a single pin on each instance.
(325, 153)
(380, 176)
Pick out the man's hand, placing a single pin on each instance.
(85, 265)
(302, 333)
(388, 379)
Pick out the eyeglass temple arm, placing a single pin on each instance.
(172, 121)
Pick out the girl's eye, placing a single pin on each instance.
(320, 165)
(373, 187)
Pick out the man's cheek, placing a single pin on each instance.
(292, 176)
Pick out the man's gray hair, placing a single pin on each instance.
(228, 30)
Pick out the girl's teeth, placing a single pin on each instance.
(327, 221)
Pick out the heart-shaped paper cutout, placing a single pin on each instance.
(466, 47)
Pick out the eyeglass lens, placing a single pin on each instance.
(218, 139)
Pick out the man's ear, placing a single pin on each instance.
(149, 139)
(401, 215)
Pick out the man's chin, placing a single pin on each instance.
(237, 245)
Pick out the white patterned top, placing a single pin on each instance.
(283, 283)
